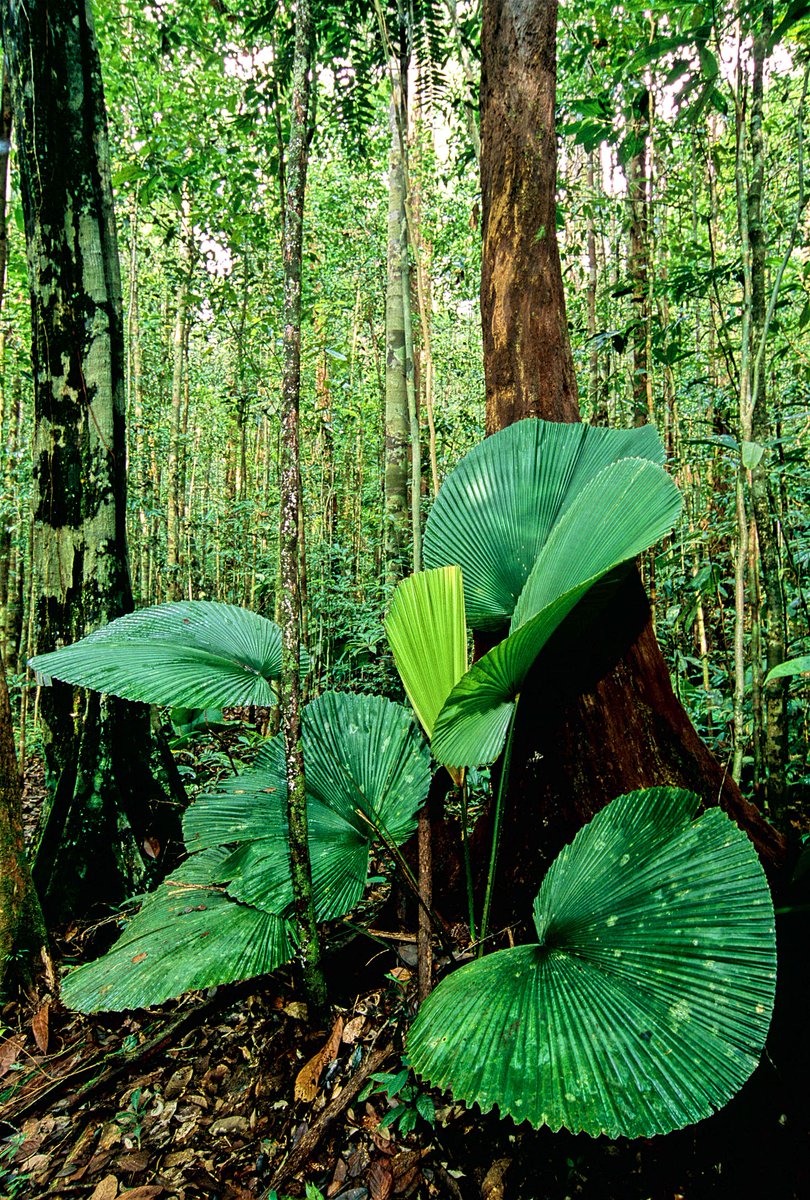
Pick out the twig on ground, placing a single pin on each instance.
(311, 1139)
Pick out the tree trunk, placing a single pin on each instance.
(608, 723)
(96, 751)
(638, 193)
(773, 622)
(528, 366)
(397, 424)
(22, 930)
(290, 504)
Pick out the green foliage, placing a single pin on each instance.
(225, 914)
(194, 653)
(536, 516)
(410, 1102)
(427, 632)
(188, 935)
(646, 1002)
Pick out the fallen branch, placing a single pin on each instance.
(298, 1156)
(112, 1065)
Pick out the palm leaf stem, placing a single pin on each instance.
(496, 825)
(465, 843)
(410, 882)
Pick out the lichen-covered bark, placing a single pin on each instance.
(22, 931)
(100, 787)
(589, 730)
(290, 499)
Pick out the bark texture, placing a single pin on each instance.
(96, 751)
(22, 931)
(290, 499)
(397, 425)
(591, 729)
(528, 365)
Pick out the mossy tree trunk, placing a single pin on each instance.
(591, 729)
(102, 790)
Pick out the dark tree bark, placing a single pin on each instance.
(23, 940)
(588, 730)
(101, 788)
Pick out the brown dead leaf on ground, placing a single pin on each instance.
(148, 1192)
(40, 1026)
(492, 1187)
(306, 1083)
(107, 1189)
(10, 1051)
(380, 1179)
(353, 1030)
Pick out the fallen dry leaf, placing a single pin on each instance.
(353, 1030)
(148, 1192)
(306, 1082)
(492, 1187)
(380, 1179)
(39, 1026)
(107, 1189)
(9, 1053)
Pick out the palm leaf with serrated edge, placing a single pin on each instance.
(360, 753)
(188, 935)
(427, 632)
(500, 504)
(195, 653)
(647, 1002)
(621, 511)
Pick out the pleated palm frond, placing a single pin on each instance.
(194, 653)
(793, 666)
(364, 758)
(500, 504)
(620, 511)
(362, 755)
(427, 632)
(646, 1004)
(188, 935)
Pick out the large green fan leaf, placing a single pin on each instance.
(427, 632)
(188, 935)
(259, 872)
(195, 653)
(360, 753)
(500, 504)
(645, 1006)
(621, 511)
(364, 755)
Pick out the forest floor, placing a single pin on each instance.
(236, 1094)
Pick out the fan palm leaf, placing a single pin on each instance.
(194, 653)
(620, 511)
(646, 1003)
(367, 771)
(188, 935)
(427, 632)
(500, 504)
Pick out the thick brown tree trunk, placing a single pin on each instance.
(592, 729)
(528, 365)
